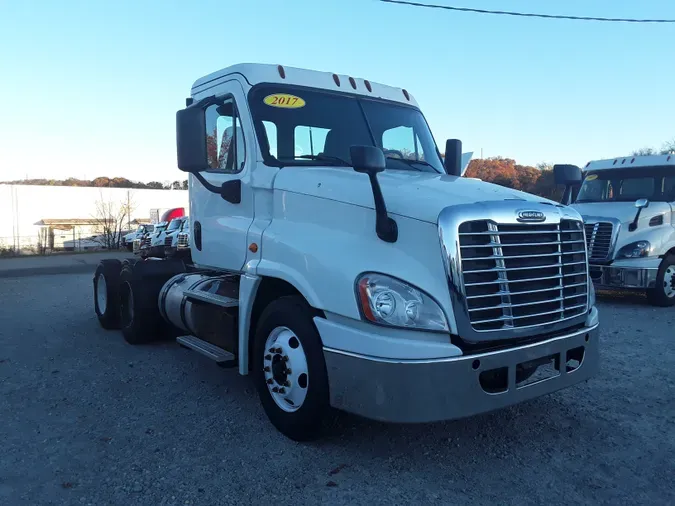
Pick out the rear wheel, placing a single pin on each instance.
(140, 284)
(289, 369)
(106, 293)
(663, 293)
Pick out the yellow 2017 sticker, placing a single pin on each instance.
(591, 177)
(284, 101)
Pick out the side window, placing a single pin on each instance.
(309, 140)
(225, 138)
(402, 140)
(271, 132)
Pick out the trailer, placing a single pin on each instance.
(337, 259)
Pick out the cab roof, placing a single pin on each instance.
(629, 162)
(256, 73)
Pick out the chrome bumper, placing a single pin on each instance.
(396, 390)
(608, 276)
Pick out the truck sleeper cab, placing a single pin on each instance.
(627, 205)
(342, 263)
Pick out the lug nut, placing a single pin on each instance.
(288, 371)
(270, 381)
(285, 358)
(268, 357)
(282, 390)
(279, 350)
(275, 390)
(271, 350)
(266, 368)
(287, 384)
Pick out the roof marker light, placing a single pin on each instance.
(336, 79)
(623, 161)
(632, 160)
(407, 97)
(588, 164)
(368, 86)
(668, 159)
(282, 72)
(614, 162)
(352, 82)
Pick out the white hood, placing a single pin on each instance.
(622, 211)
(406, 193)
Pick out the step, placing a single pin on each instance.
(211, 298)
(207, 349)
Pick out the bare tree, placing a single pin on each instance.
(110, 220)
(668, 148)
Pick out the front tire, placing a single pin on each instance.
(289, 369)
(106, 293)
(663, 293)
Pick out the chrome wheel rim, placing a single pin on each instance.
(285, 369)
(669, 282)
(101, 294)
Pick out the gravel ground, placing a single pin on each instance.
(88, 419)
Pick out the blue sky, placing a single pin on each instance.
(91, 88)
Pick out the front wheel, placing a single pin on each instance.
(663, 293)
(289, 369)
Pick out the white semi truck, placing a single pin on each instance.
(342, 264)
(627, 205)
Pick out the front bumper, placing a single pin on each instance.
(427, 390)
(618, 276)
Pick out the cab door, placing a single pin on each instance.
(219, 225)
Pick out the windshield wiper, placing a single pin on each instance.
(325, 158)
(410, 162)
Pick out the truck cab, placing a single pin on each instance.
(627, 205)
(342, 263)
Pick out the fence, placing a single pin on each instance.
(40, 245)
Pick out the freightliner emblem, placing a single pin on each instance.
(531, 216)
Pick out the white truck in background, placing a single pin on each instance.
(338, 260)
(628, 206)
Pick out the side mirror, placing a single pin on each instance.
(367, 159)
(568, 175)
(453, 157)
(642, 203)
(191, 137)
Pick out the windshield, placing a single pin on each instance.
(627, 185)
(174, 225)
(309, 127)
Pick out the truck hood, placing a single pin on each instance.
(421, 195)
(622, 211)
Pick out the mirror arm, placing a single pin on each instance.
(210, 187)
(634, 225)
(385, 226)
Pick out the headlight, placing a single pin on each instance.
(637, 249)
(388, 301)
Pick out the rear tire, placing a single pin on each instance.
(106, 293)
(140, 284)
(287, 323)
(663, 293)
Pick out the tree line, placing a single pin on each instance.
(105, 182)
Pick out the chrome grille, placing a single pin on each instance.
(520, 275)
(182, 241)
(598, 240)
(167, 241)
